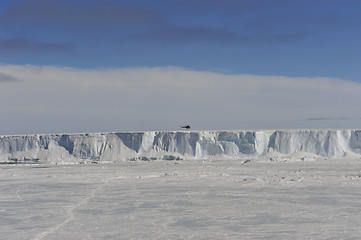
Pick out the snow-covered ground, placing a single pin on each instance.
(269, 197)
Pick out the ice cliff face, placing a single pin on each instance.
(172, 145)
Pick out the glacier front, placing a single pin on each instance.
(171, 145)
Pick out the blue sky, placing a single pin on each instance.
(267, 37)
(298, 39)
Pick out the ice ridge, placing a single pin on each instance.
(170, 145)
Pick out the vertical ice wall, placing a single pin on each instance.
(171, 144)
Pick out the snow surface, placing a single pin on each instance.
(113, 147)
(274, 184)
(273, 197)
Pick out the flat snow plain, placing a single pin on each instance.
(264, 198)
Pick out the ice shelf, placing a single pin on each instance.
(171, 145)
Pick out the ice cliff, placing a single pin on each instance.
(169, 145)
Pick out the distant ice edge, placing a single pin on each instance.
(171, 145)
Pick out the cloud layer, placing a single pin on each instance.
(7, 78)
(57, 99)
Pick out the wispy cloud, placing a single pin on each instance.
(7, 78)
(78, 15)
(330, 118)
(57, 99)
(21, 45)
(189, 35)
(136, 23)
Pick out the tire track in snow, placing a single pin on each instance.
(70, 212)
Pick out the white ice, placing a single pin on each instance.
(272, 197)
(230, 144)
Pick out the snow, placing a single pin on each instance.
(113, 147)
(262, 184)
(183, 199)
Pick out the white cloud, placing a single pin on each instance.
(59, 99)
(7, 78)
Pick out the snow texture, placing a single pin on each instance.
(196, 199)
(171, 145)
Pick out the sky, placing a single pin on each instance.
(121, 65)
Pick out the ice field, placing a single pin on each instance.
(236, 184)
(251, 198)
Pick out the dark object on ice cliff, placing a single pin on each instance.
(186, 126)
